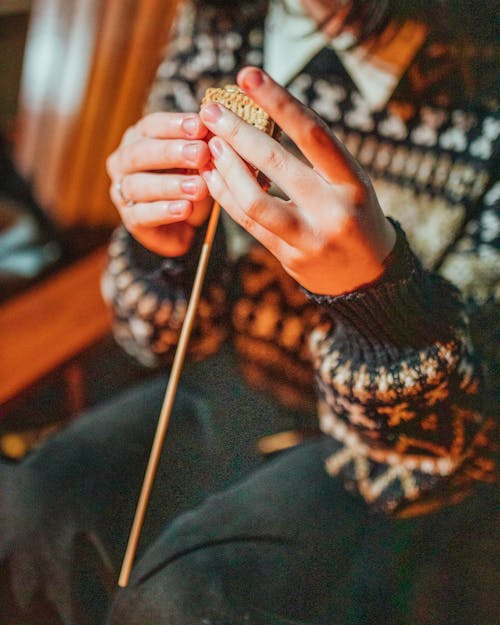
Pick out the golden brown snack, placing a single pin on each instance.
(237, 101)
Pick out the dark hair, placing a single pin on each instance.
(369, 17)
(471, 20)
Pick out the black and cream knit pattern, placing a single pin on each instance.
(402, 398)
(272, 322)
(398, 380)
(149, 297)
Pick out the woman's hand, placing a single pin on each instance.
(155, 181)
(331, 235)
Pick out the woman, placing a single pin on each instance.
(396, 375)
(332, 288)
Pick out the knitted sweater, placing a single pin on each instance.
(399, 383)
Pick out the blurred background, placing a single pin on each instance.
(71, 81)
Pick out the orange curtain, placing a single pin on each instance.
(87, 69)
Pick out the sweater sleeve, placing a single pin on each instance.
(400, 389)
(149, 294)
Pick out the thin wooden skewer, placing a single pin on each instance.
(168, 401)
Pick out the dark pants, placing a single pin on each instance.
(272, 549)
(281, 542)
(289, 545)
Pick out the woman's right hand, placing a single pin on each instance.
(155, 181)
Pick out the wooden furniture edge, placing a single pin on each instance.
(50, 323)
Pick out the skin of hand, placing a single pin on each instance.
(163, 197)
(330, 235)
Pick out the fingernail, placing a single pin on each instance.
(253, 78)
(191, 151)
(190, 125)
(177, 208)
(216, 148)
(211, 112)
(189, 186)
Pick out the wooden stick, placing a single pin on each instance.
(168, 401)
(237, 101)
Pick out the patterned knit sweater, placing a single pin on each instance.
(400, 385)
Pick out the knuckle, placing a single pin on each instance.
(166, 152)
(275, 159)
(233, 130)
(123, 158)
(132, 158)
(255, 207)
(145, 123)
(112, 194)
(111, 164)
(247, 223)
(165, 186)
(130, 186)
(283, 100)
(152, 123)
(130, 134)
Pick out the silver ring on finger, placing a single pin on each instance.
(119, 189)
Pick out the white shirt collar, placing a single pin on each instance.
(292, 40)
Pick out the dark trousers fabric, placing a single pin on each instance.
(66, 510)
(290, 545)
(229, 538)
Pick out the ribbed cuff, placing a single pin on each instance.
(407, 307)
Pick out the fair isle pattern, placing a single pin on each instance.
(474, 262)
(207, 49)
(429, 166)
(272, 320)
(407, 422)
(148, 313)
(404, 430)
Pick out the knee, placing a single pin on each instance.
(180, 593)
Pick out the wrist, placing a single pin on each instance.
(405, 307)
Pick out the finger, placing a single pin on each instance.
(302, 125)
(148, 187)
(201, 210)
(273, 214)
(150, 154)
(130, 135)
(172, 126)
(293, 176)
(221, 193)
(172, 240)
(152, 214)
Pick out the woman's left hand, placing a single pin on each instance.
(331, 235)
